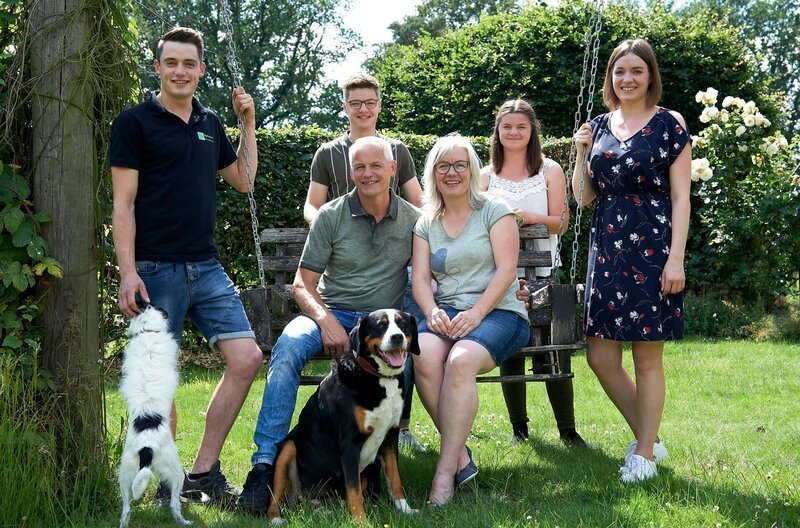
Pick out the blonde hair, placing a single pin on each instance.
(641, 49)
(432, 203)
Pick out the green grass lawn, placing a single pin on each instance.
(731, 424)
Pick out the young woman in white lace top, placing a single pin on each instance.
(534, 187)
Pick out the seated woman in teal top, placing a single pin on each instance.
(469, 244)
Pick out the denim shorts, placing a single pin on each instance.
(501, 332)
(203, 291)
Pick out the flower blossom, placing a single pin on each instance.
(749, 120)
(708, 98)
(709, 114)
(741, 130)
(749, 108)
(701, 170)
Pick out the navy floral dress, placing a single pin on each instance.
(631, 232)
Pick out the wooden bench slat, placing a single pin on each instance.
(284, 235)
(527, 377)
(281, 263)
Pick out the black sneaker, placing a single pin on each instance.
(163, 495)
(256, 492)
(213, 488)
(571, 438)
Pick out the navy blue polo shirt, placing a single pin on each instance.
(176, 199)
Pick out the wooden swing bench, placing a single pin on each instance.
(553, 314)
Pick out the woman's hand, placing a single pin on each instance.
(438, 321)
(673, 278)
(465, 322)
(583, 138)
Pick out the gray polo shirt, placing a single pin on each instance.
(363, 264)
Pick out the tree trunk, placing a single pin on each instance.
(63, 167)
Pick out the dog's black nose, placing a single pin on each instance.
(396, 339)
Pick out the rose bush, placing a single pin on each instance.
(745, 232)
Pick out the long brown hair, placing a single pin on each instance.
(534, 150)
(641, 49)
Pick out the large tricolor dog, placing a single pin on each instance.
(149, 380)
(349, 426)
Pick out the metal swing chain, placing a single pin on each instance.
(584, 159)
(591, 48)
(233, 64)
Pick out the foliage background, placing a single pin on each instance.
(456, 81)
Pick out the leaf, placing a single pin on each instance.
(48, 265)
(37, 248)
(12, 218)
(12, 341)
(23, 235)
(42, 217)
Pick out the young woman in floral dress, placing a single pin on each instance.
(639, 174)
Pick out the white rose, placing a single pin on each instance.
(782, 141)
(724, 115)
(710, 96)
(699, 96)
(766, 123)
(740, 130)
(738, 101)
(772, 149)
(701, 170)
(742, 148)
(727, 102)
(749, 120)
(759, 118)
(749, 108)
(704, 117)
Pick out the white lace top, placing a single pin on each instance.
(529, 195)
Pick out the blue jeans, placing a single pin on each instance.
(501, 332)
(299, 341)
(200, 289)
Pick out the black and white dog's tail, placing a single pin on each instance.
(145, 474)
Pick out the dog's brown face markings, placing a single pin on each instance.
(387, 338)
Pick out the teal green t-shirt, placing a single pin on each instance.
(363, 264)
(464, 266)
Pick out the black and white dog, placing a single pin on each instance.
(149, 380)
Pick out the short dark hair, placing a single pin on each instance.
(534, 150)
(360, 80)
(184, 35)
(641, 49)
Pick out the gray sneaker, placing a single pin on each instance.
(409, 441)
(213, 488)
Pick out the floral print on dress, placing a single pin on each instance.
(631, 232)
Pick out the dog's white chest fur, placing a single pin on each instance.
(380, 420)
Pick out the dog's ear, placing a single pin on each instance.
(414, 349)
(356, 338)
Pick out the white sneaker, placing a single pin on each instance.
(659, 451)
(636, 469)
(408, 441)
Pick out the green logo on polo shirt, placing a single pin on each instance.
(205, 137)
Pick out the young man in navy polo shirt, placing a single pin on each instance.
(166, 154)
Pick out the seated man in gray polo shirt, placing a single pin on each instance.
(354, 262)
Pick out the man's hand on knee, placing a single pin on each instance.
(334, 338)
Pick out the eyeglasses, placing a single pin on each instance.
(443, 167)
(355, 104)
